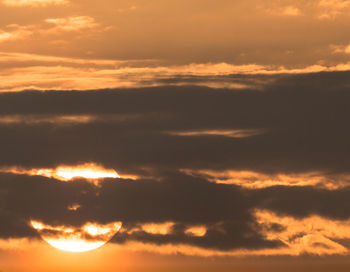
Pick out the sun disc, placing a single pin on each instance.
(88, 237)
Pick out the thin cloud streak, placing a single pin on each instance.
(236, 133)
(39, 119)
(72, 23)
(34, 3)
(256, 180)
(55, 73)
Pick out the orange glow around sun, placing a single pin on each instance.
(89, 171)
(88, 237)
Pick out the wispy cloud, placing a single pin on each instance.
(37, 119)
(34, 3)
(28, 71)
(313, 235)
(345, 49)
(255, 180)
(15, 32)
(332, 8)
(284, 11)
(49, 27)
(72, 23)
(237, 133)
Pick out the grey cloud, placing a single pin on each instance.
(304, 118)
(226, 211)
(177, 198)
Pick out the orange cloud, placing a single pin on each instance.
(332, 8)
(285, 11)
(37, 119)
(74, 207)
(256, 180)
(313, 235)
(153, 228)
(72, 23)
(340, 49)
(236, 133)
(49, 72)
(198, 231)
(166, 228)
(16, 34)
(291, 11)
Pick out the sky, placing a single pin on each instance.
(193, 135)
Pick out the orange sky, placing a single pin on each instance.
(214, 133)
(72, 44)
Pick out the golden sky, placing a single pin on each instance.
(70, 44)
(195, 135)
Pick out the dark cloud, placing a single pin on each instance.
(306, 201)
(182, 199)
(226, 211)
(304, 118)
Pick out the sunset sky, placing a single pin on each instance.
(162, 135)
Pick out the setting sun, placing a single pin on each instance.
(89, 237)
(89, 171)
(174, 135)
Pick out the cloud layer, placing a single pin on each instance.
(215, 171)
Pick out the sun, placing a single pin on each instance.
(77, 239)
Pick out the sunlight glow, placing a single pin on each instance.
(89, 171)
(74, 245)
(90, 236)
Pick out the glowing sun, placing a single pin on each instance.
(88, 237)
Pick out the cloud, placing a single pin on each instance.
(332, 8)
(321, 202)
(15, 33)
(37, 119)
(291, 11)
(177, 214)
(287, 146)
(340, 49)
(312, 235)
(72, 23)
(34, 3)
(224, 133)
(28, 71)
(52, 26)
(154, 218)
(256, 180)
(297, 169)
